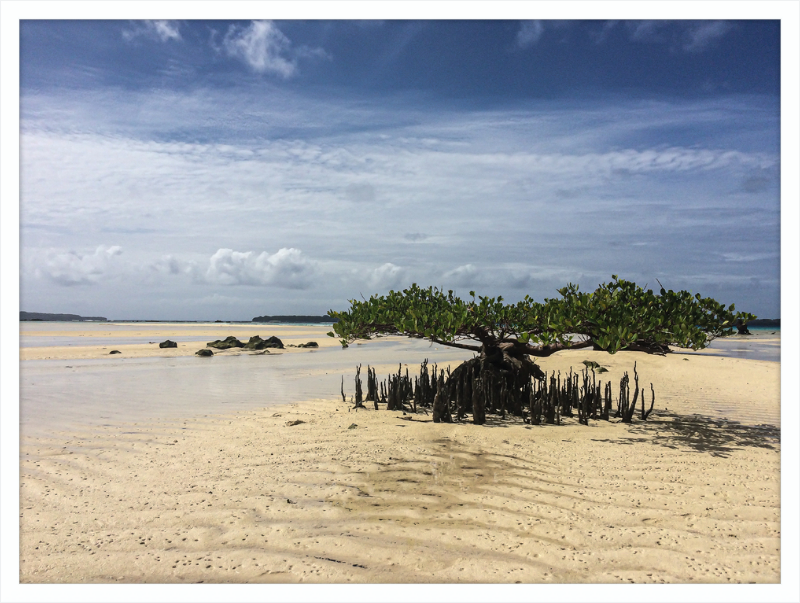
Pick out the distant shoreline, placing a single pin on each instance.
(296, 318)
(45, 317)
(279, 319)
(765, 322)
(287, 320)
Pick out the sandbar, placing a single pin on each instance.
(692, 495)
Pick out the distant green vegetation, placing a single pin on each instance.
(58, 317)
(295, 319)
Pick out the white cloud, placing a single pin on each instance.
(542, 186)
(700, 36)
(288, 268)
(170, 265)
(463, 276)
(646, 31)
(749, 257)
(162, 31)
(387, 276)
(688, 36)
(529, 33)
(72, 268)
(261, 45)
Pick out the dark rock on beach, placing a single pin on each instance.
(310, 344)
(256, 343)
(274, 342)
(204, 352)
(168, 344)
(227, 343)
(115, 352)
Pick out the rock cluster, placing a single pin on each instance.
(224, 344)
(256, 343)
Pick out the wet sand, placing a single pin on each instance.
(690, 496)
(70, 341)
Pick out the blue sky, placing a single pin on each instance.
(222, 170)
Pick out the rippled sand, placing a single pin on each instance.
(690, 496)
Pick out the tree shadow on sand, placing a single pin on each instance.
(717, 437)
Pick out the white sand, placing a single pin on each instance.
(245, 497)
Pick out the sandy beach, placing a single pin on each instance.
(136, 340)
(308, 490)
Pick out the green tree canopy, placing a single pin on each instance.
(618, 315)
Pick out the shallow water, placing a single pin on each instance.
(43, 341)
(63, 394)
(761, 345)
(35, 334)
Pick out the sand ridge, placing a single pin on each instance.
(385, 497)
(290, 335)
(690, 496)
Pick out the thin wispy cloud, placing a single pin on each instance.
(266, 50)
(262, 46)
(700, 36)
(647, 31)
(162, 31)
(245, 171)
(684, 36)
(529, 33)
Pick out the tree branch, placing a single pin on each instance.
(550, 349)
(650, 348)
(453, 344)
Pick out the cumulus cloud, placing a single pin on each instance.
(387, 276)
(72, 268)
(463, 276)
(162, 31)
(170, 265)
(265, 49)
(288, 268)
(529, 33)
